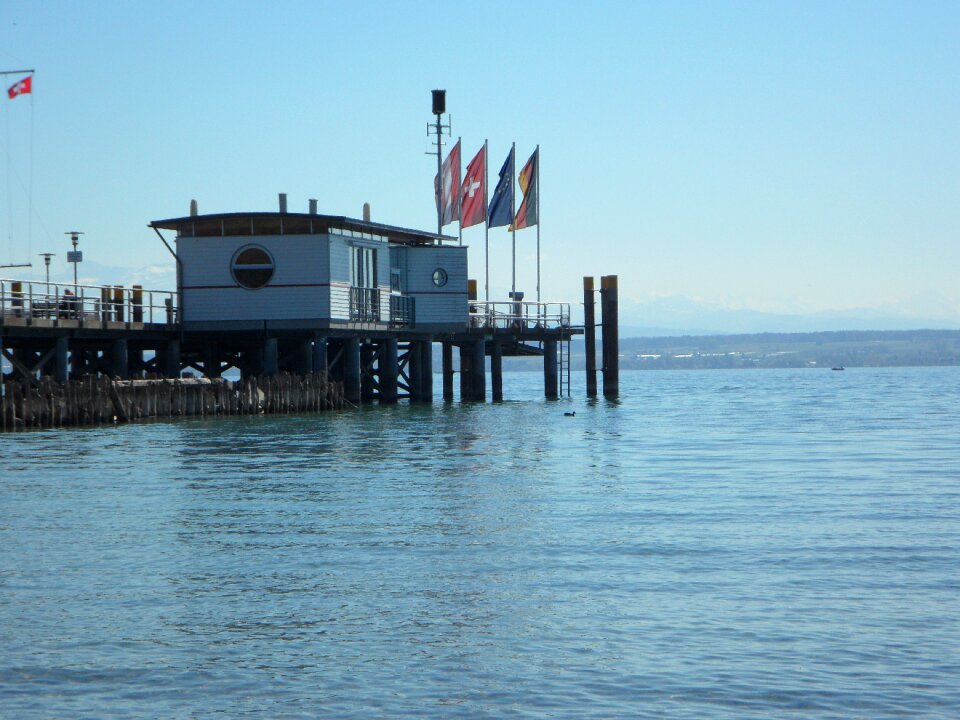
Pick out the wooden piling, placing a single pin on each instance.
(590, 336)
(610, 342)
(91, 400)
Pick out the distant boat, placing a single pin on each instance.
(839, 367)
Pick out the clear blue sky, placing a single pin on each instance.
(777, 156)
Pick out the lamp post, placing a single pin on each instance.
(46, 261)
(75, 256)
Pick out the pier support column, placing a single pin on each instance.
(447, 371)
(302, 360)
(169, 360)
(611, 341)
(211, 359)
(550, 369)
(320, 355)
(473, 379)
(478, 371)
(61, 368)
(421, 371)
(465, 371)
(387, 369)
(271, 359)
(496, 370)
(351, 369)
(118, 359)
(590, 336)
(367, 353)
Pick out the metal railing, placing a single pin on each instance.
(402, 310)
(519, 315)
(23, 302)
(365, 304)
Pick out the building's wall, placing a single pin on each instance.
(441, 307)
(340, 248)
(299, 288)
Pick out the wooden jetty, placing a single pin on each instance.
(284, 295)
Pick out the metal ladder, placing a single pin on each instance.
(564, 362)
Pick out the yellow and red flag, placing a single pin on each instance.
(529, 211)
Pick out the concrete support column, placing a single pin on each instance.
(465, 371)
(61, 368)
(478, 375)
(118, 359)
(135, 362)
(448, 371)
(169, 361)
(387, 369)
(211, 359)
(302, 361)
(550, 369)
(496, 371)
(26, 358)
(367, 353)
(351, 369)
(271, 358)
(426, 379)
(320, 355)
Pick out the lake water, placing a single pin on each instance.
(718, 544)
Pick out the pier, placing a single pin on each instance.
(263, 295)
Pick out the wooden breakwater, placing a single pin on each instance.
(102, 401)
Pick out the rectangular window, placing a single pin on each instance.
(363, 267)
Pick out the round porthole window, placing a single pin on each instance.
(439, 277)
(252, 267)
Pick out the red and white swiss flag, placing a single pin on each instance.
(21, 87)
(473, 194)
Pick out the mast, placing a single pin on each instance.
(486, 223)
(439, 108)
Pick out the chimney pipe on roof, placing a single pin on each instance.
(313, 206)
(193, 208)
(283, 202)
(366, 212)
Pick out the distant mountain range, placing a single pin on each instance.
(676, 316)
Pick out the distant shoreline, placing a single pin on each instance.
(866, 348)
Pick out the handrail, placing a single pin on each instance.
(519, 315)
(29, 300)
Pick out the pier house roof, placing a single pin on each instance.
(279, 223)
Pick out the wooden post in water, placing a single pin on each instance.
(351, 369)
(388, 370)
(496, 371)
(422, 360)
(478, 379)
(550, 369)
(118, 359)
(447, 371)
(611, 341)
(271, 359)
(61, 367)
(367, 354)
(320, 354)
(590, 336)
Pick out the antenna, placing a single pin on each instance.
(439, 108)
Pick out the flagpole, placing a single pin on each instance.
(513, 223)
(486, 224)
(538, 224)
(459, 194)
